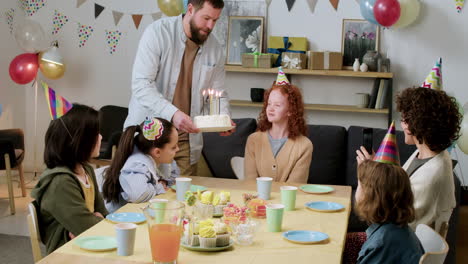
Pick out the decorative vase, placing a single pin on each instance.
(370, 58)
(356, 65)
(364, 67)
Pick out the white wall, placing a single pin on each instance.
(96, 78)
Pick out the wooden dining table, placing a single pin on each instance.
(268, 247)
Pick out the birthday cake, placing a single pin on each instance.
(208, 121)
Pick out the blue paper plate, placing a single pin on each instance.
(316, 189)
(135, 218)
(96, 243)
(324, 206)
(305, 236)
(194, 188)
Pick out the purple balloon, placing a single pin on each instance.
(367, 10)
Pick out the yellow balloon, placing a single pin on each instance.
(49, 69)
(171, 7)
(409, 13)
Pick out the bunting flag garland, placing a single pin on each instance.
(84, 32)
(459, 4)
(79, 3)
(97, 10)
(9, 18)
(137, 20)
(312, 4)
(290, 4)
(268, 2)
(112, 38)
(31, 6)
(58, 21)
(58, 106)
(117, 16)
(156, 16)
(335, 3)
(434, 79)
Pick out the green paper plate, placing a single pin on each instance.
(96, 243)
(194, 188)
(316, 189)
(198, 248)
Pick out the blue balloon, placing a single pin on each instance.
(367, 10)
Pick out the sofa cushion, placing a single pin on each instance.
(329, 155)
(355, 141)
(219, 150)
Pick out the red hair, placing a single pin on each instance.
(296, 122)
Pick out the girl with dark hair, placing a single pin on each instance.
(280, 148)
(384, 200)
(67, 198)
(144, 164)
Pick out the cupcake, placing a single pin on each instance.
(194, 238)
(220, 201)
(204, 207)
(222, 234)
(207, 234)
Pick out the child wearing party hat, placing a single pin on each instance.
(280, 148)
(67, 197)
(143, 166)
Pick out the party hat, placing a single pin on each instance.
(459, 4)
(152, 128)
(281, 79)
(388, 150)
(58, 106)
(434, 79)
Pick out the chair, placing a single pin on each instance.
(434, 245)
(33, 226)
(11, 157)
(237, 165)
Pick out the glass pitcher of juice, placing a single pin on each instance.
(165, 230)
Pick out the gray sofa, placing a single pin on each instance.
(333, 160)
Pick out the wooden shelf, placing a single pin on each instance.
(317, 107)
(339, 73)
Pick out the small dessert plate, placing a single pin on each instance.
(96, 243)
(326, 207)
(215, 129)
(316, 189)
(194, 188)
(198, 248)
(135, 218)
(305, 236)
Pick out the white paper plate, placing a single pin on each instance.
(216, 129)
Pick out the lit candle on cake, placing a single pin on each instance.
(210, 92)
(203, 103)
(219, 102)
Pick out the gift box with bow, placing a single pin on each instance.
(278, 45)
(325, 60)
(257, 60)
(293, 60)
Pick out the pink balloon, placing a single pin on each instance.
(387, 12)
(23, 68)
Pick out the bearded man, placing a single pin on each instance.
(176, 60)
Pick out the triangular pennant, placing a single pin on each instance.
(312, 4)
(98, 10)
(459, 5)
(290, 4)
(58, 21)
(137, 20)
(31, 6)
(58, 106)
(388, 150)
(112, 39)
(117, 16)
(281, 79)
(79, 3)
(434, 79)
(335, 3)
(9, 15)
(268, 2)
(84, 32)
(156, 15)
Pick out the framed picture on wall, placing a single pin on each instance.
(245, 35)
(357, 37)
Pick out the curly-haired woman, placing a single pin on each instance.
(430, 120)
(280, 149)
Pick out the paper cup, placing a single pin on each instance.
(183, 184)
(264, 187)
(288, 197)
(125, 238)
(274, 214)
(158, 205)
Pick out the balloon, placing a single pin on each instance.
(387, 12)
(30, 36)
(409, 13)
(463, 139)
(171, 7)
(23, 68)
(367, 11)
(49, 69)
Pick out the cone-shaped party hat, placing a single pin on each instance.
(281, 79)
(434, 79)
(388, 150)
